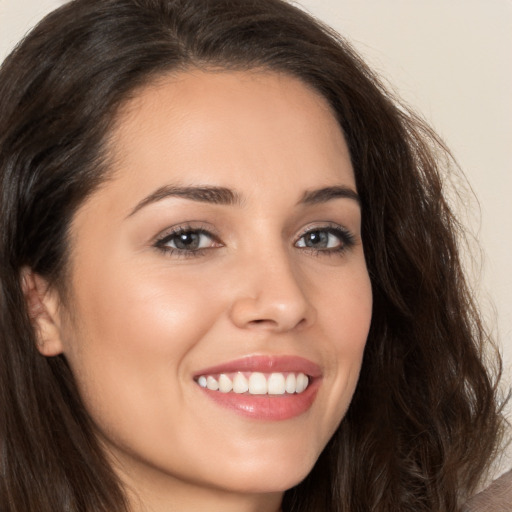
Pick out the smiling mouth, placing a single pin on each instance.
(268, 388)
(256, 383)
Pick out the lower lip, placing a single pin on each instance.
(267, 407)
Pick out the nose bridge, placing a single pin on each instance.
(272, 293)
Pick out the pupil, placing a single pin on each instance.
(187, 241)
(317, 238)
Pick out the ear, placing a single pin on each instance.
(43, 308)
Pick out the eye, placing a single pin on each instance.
(327, 239)
(187, 240)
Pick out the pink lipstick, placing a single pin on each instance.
(263, 387)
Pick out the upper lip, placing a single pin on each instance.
(266, 364)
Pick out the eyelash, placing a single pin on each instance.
(346, 241)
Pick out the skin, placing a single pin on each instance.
(142, 321)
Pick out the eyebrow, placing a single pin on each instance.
(227, 197)
(323, 195)
(212, 195)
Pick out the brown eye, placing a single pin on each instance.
(187, 240)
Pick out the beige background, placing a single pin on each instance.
(450, 60)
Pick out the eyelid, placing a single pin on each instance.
(324, 226)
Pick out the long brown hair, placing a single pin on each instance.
(424, 421)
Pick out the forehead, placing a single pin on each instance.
(227, 122)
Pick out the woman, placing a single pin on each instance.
(229, 277)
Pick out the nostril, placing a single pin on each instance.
(263, 322)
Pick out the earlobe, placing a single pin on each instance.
(43, 309)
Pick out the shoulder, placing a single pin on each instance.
(496, 498)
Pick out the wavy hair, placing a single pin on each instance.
(424, 421)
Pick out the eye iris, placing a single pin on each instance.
(317, 239)
(187, 241)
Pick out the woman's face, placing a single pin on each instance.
(227, 243)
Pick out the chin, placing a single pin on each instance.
(276, 473)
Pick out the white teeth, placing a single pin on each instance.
(276, 384)
(212, 384)
(225, 384)
(291, 383)
(257, 384)
(302, 383)
(240, 384)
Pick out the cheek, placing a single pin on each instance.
(133, 335)
(157, 310)
(344, 306)
(345, 319)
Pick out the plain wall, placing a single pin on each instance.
(450, 60)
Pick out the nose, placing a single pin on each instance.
(271, 296)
